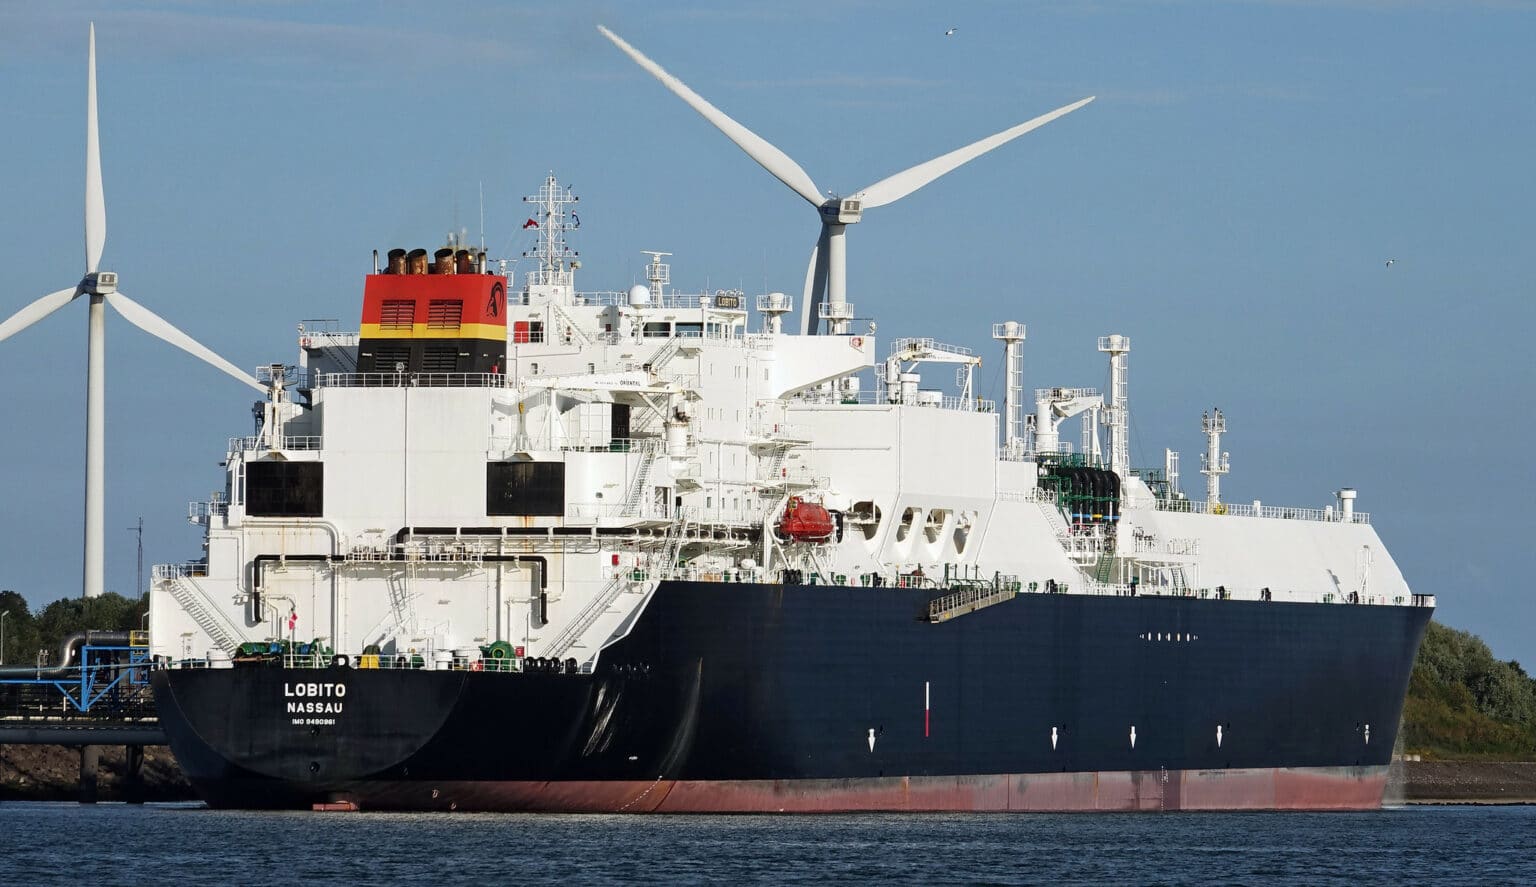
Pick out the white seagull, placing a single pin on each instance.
(1389, 262)
(951, 32)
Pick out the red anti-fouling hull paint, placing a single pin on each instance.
(1321, 788)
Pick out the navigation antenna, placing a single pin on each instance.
(658, 274)
(556, 261)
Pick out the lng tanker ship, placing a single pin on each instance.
(511, 545)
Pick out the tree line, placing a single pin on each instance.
(28, 635)
(1463, 703)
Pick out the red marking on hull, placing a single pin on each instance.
(1315, 788)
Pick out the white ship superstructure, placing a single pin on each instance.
(635, 436)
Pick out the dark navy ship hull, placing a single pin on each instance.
(745, 697)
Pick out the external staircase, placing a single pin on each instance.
(595, 608)
(194, 602)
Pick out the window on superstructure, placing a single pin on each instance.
(397, 315)
(285, 489)
(445, 314)
(523, 489)
(527, 331)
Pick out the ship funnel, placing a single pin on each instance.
(462, 262)
(396, 261)
(444, 261)
(1347, 505)
(416, 262)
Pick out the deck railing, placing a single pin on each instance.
(410, 380)
(1278, 512)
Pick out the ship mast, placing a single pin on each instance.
(1117, 413)
(556, 261)
(1011, 333)
(1213, 463)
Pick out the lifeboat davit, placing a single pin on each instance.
(805, 522)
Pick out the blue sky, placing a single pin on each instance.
(1229, 202)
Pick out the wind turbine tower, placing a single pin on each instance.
(101, 286)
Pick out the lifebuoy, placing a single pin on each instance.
(857, 341)
(477, 665)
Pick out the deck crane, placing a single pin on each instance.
(900, 380)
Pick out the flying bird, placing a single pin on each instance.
(1389, 262)
(951, 32)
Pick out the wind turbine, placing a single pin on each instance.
(826, 277)
(101, 286)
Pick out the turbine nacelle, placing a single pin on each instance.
(842, 210)
(99, 283)
(825, 279)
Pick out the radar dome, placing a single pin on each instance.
(639, 295)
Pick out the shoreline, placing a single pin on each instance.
(1444, 783)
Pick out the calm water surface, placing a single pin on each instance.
(44, 844)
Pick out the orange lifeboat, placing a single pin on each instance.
(805, 522)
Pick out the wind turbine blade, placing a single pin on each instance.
(95, 201)
(36, 311)
(815, 285)
(903, 183)
(771, 158)
(157, 326)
